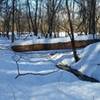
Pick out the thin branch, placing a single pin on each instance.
(16, 61)
(37, 73)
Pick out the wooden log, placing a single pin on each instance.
(52, 46)
(77, 73)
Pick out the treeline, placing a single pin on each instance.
(49, 16)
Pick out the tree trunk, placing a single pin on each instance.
(72, 34)
(92, 13)
(13, 16)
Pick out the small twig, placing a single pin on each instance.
(17, 67)
(17, 60)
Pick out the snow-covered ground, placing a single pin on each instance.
(34, 40)
(58, 84)
(89, 63)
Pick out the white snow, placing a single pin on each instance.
(52, 40)
(58, 84)
(89, 63)
(68, 91)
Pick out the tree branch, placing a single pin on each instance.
(38, 73)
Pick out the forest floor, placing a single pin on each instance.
(40, 79)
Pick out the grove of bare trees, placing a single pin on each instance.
(49, 17)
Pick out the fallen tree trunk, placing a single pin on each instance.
(51, 46)
(77, 73)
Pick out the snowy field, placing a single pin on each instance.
(57, 84)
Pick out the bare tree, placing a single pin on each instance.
(7, 18)
(72, 33)
(92, 15)
(30, 15)
(36, 18)
(88, 14)
(13, 20)
(52, 8)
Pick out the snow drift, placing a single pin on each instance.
(89, 63)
